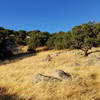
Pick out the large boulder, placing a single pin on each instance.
(40, 77)
(60, 74)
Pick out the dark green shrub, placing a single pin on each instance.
(51, 41)
(58, 43)
(20, 37)
(83, 38)
(4, 52)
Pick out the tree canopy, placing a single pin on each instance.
(82, 37)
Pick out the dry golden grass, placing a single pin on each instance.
(17, 78)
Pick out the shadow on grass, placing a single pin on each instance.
(5, 96)
(21, 56)
(17, 57)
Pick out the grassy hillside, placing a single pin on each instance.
(16, 79)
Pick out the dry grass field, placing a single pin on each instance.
(16, 78)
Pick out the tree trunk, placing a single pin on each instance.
(86, 52)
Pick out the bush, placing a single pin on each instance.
(51, 41)
(67, 40)
(4, 53)
(20, 38)
(83, 38)
(98, 40)
(4, 37)
(31, 50)
(34, 42)
(58, 43)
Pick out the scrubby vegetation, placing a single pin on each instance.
(82, 37)
(37, 39)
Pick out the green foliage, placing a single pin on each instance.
(34, 41)
(98, 39)
(67, 40)
(83, 37)
(37, 39)
(4, 53)
(20, 37)
(58, 42)
(50, 43)
(44, 36)
(4, 37)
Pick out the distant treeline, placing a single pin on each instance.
(82, 37)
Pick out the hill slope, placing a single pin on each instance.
(16, 79)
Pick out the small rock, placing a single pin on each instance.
(39, 77)
(62, 75)
(48, 58)
(57, 54)
(77, 63)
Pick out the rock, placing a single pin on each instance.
(39, 77)
(48, 58)
(62, 75)
(77, 63)
(57, 54)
